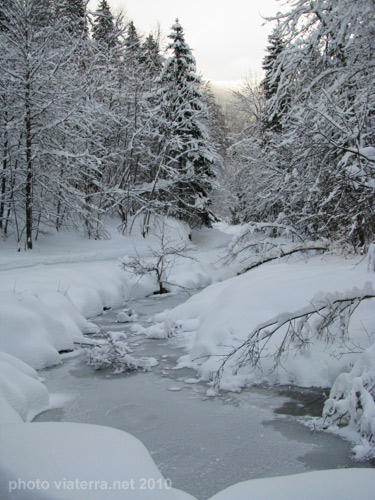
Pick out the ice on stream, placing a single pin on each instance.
(202, 444)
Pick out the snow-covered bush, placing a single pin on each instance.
(351, 404)
(116, 355)
(126, 316)
(164, 256)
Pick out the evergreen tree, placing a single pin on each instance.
(73, 13)
(5, 5)
(103, 30)
(151, 58)
(45, 13)
(272, 119)
(186, 154)
(132, 42)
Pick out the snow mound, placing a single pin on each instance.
(35, 327)
(22, 395)
(339, 484)
(89, 461)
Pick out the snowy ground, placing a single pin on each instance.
(48, 297)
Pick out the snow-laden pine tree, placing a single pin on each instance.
(271, 119)
(86, 124)
(133, 81)
(103, 28)
(151, 58)
(185, 154)
(73, 16)
(106, 100)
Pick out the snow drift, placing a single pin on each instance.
(116, 465)
(22, 394)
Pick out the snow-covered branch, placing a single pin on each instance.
(259, 243)
(328, 316)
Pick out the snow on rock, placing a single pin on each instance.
(23, 334)
(126, 316)
(89, 461)
(190, 275)
(22, 395)
(43, 310)
(338, 484)
(156, 331)
(228, 311)
(93, 287)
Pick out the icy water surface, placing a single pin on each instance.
(202, 444)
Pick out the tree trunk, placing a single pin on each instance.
(29, 169)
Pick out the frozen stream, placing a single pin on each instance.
(202, 444)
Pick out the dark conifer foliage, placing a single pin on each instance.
(73, 16)
(188, 151)
(270, 83)
(151, 58)
(103, 29)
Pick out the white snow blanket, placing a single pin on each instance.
(56, 461)
(46, 299)
(51, 461)
(339, 484)
(22, 394)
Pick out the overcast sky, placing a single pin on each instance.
(227, 38)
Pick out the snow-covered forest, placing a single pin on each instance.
(97, 124)
(147, 227)
(97, 120)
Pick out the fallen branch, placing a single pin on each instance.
(266, 242)
(284, 254)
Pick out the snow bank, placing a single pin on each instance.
(227, 312)
(89, 461)
(339, 484)
(22, 395)
(48, 294)
(34, 327)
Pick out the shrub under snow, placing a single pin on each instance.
(351, 404)
(115, 354)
